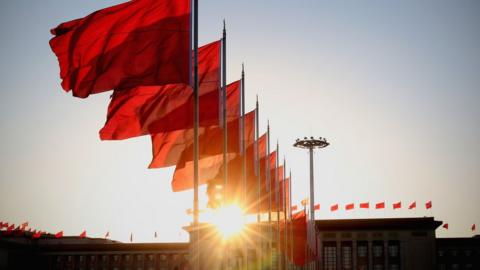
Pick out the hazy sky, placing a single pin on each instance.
(393, 85)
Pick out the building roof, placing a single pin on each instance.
(425, 223)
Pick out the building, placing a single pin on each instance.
(458, 253)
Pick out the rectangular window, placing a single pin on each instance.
(347, 255)
(362, 255)
(330, 256)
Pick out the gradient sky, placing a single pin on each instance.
(393, 85)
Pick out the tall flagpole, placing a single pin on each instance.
(284, 196)
(291, 221)
(225, 131)
(270, 230)
(277, 205)
(195, 137)
(224, 111)
(257, 171)
(244, 158)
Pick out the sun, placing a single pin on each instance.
(229, 221)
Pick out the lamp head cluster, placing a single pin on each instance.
(311, 143)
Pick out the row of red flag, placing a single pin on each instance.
(365, 205)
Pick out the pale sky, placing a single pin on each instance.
(393, 85)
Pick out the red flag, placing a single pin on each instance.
(1, 225)
(36, 235)
(397, 205)
(380, 205)
(24, 225)
(211, 157)
(316, 207)
(412, 205)
(83, 234)
(144, 42)
(445, 226)
(299, 228)
(365, 205)
(168, 147)
(294, 208)
(428, 205)
(10, 228)
(350, 206)
(153, 109)
(59, 234)
(334, 207)
(474, 227)
(107, 235)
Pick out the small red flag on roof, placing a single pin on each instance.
(474, 227)
(83, 234)
(317, 207)
(397, 205)
(365, 205)
(380, 205)
(350, 206)
(428, 205)
(59, 234)
(36, 235)
(412, 205)
(445, 226)
(334, 207)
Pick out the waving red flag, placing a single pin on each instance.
(83, 234)
(474, 227)
(153, 109)
(397, 205)
(365, 205)
(168, 147)
(316, 207)
(445, 226)
(143, 42)
(211, 157)
(412, 205)
(10, 228)
(350, 206)
(59, 234)
(380, 205)
(334, 207)
(428, 205)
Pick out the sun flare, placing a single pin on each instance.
(229, 221)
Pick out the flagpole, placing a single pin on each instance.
(284, 196)
(291, 221)
(224, 111)
(270, 231)
(195, 137)
(257, 171)
(225, 131)
(244, 156)
(277, 205)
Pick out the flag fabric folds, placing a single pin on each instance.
(83, 234)
(168, 147)
(147, 110)
(334, 207)
(143, 42)
(59, 234)
(445, 226)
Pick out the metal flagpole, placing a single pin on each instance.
(257, 171)
(270, 231)
(224, 110)
(244, 158)
(291, 221)
(195, 137)
(224, 124)
(284, 196)
(277, 205)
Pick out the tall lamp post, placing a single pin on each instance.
(311, 144)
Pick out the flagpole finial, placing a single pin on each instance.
(243, 68)
(224, 27)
